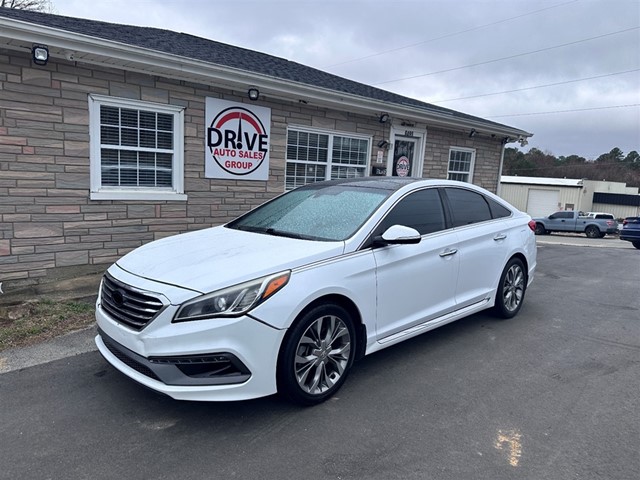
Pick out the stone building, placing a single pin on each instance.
(112, 136)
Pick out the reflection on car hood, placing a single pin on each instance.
(217, 257)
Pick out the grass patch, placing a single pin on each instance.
(32, 322)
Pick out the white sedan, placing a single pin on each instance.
(286, 297)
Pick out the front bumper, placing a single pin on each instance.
(204, 360)
(630, 236)
(218, 368)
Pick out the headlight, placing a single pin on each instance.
(232, 301)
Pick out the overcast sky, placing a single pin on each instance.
(566, 70)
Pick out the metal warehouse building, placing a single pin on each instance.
(541, 196)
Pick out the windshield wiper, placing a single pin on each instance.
(282, 233)
(273, 232)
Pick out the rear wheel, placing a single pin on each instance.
(316, 355)
(540, 230)
(511, 289)
(592, 231)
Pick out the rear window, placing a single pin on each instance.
(604, 216)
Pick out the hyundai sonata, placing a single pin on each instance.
(286, 297)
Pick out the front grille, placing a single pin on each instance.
(130, 306)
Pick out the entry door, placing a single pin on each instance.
(405, 151)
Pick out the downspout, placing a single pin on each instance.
(499, 188)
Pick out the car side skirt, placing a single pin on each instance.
(429, 325)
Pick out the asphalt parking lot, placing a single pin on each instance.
(550, 394)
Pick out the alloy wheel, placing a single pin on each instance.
(513, 287)
(322, 354)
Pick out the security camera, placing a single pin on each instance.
(70, 56)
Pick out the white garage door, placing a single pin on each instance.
(541, 203)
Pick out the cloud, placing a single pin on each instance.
(372, 41)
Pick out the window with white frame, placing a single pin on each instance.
(461, 162)
(137, 149)
(313, 156)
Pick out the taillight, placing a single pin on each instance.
(532, 225)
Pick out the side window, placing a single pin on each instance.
(497, 210)
(467, 207)
(564, 215)
(421, 210)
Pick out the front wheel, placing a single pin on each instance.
(540, 230)
(636, 244)
(592, 231)
(316, 355)
(511, 289)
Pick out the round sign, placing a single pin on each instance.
(402, 166)
(237, 140)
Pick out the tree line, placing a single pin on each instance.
(614, 166)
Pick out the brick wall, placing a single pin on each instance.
(47, 219)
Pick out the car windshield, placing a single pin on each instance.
(314, 212)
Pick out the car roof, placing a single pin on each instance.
(389, 183)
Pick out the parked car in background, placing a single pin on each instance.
(631, 231)
(570, 221)
(286, 297)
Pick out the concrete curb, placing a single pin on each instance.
(70, 344)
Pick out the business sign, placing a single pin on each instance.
(403, 165)
(237, 144)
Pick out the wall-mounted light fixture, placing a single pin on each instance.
(383, 144)
(40, 54)
(384, 118)
(522, 141)
(472, 133)
(253, 94)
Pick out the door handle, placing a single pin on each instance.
(500, 236)
(448, 252)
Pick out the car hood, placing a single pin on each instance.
(214, 258)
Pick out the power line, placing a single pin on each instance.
(535, 86)
(510, 56)
(565, 111)
(448, 35)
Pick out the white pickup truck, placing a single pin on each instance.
(568, 221)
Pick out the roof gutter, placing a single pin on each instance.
(97, 51)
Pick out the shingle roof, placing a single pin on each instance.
(216, 53)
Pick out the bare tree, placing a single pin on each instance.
(36, 5)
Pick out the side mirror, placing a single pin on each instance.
(398, 235)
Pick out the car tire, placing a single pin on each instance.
(540, 230)
(511, 289)
(636, 244)
(592, 231)
(316, 355)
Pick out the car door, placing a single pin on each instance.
(415, 283)
(564, 222)
(481, 243)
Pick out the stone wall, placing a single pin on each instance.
(47, 219)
